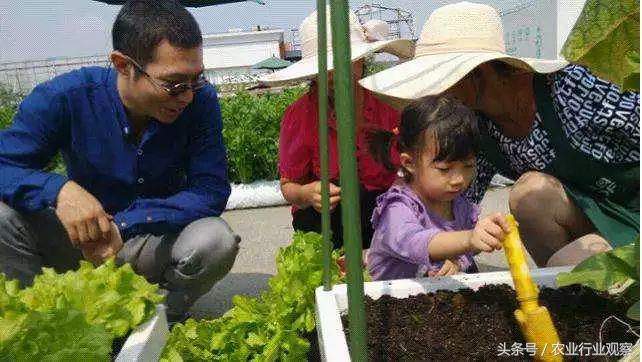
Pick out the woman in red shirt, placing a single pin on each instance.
(299, 158)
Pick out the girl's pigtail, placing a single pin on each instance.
(380, 143)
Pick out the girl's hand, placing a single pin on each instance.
(488, 233)
(313, 195)
(343, 267)
(449, 268)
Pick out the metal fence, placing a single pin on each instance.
(24, 76)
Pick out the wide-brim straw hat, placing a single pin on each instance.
(455, 39)
(365, 39)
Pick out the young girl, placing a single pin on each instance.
(424, 225)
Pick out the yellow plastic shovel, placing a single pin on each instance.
(534, 320)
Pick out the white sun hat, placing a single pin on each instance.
(455, 39)
(365, 39)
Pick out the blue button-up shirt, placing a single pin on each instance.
(175, 175)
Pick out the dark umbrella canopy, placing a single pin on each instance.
(189, 3)
(272, 63)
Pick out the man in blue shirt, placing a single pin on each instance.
(146, 165)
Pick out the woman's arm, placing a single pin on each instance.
(304, 195)
(294, 193)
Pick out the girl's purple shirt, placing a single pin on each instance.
(403, 229)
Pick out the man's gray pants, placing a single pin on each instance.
(186, 265)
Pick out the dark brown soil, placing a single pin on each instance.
(116, 345)
(314, 355)
(472, 326)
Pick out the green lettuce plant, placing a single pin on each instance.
(615, 269)
(251, 125)
(267, 328)
(72, 316)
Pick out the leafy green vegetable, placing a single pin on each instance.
(12, 310)
(606, 39)
(609, 270)
(72, 316)
(115, 297)
(267, 328)
(251, 125)
(58, 335)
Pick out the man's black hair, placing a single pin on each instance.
(141, 25)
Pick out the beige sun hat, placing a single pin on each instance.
(455, 39)
(365, 39)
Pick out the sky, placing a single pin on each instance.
(37, 29)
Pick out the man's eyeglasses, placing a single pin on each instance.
(172, 89)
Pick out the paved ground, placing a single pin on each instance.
(265, 230)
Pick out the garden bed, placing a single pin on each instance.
(146, 342)
(467, 325)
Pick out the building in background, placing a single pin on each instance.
(532, 28)
(539, 28)
(228, 57)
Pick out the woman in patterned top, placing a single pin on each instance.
(570, 139)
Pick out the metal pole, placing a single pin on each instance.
(350, 211)
(322, 88)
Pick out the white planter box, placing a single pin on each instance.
(330, 305)
(147, 341)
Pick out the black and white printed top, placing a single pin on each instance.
(598, 119)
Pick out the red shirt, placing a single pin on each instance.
(299, 142)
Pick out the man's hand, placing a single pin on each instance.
(488, 233)
(313, 195)
(450, 267)
(81, 214)
(98, 251)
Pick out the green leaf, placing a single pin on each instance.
(112, 296)
(634, 311)
(58, 335)
(72, 316)
(605, 270)
(606, 39)
(268, 327)
(251, 125)
(632, 81)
